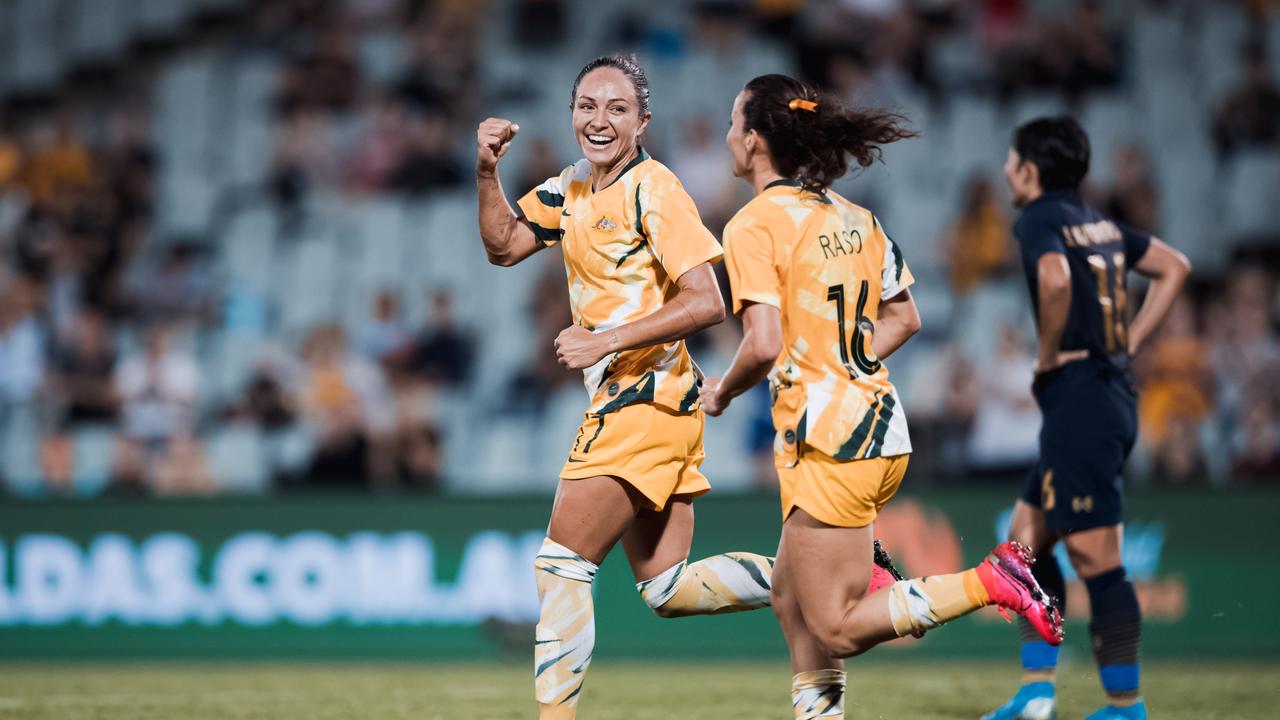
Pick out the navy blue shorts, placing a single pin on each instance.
(1090, 424)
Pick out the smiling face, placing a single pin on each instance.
(606, 117)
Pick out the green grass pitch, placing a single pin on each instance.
(614, 691)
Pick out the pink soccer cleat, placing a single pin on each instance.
(884, 574)
(1006, 575)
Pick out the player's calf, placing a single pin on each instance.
(732, 582)
(1116, 630)
(565, 635)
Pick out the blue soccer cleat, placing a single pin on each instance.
(1033, 701)
(1137, 711)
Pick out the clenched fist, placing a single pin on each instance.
(493, 139)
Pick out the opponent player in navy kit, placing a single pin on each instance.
(1075, 259)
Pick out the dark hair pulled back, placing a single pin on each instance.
(1058, 147)
(814, 146)
(629, 65)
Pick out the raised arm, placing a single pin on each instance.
(696, 305)
(507, 239)
(898, 320)
(761, 345)
(1168, 270)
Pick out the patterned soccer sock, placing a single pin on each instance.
(1039, 658)
(922, 604)
(818, 694)
(566, 632)
(1116, 629)
(732, 582)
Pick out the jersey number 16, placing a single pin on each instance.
(862, 329)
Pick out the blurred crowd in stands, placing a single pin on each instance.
(101, 323)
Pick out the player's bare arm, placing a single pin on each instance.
(761, 344)
(1053, 277)
(898, 320)
(696, 306)
(1168, 270)
(507, 239)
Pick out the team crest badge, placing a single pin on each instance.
(604, 224)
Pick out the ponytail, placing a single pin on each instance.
(811, 134)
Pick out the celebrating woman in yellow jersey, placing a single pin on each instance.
(822, 291)
(638, 261)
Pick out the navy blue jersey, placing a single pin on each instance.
(1099, 251)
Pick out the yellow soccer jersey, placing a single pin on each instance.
(624, 247)
(826, 264)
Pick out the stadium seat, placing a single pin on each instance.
(20, 450)
(237, 460)
(1221, 34)
(93, 456)
(309, 283)
(1109, 121)
(98, 28)
(160, 17)
(1253, 179)
(379, 243)
(250, 144)
(978, 317)
(34, 61)
(382, 56)
(247, 249)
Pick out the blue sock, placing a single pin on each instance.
(1116, 630)
(1039, 658)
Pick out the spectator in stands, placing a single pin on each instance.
(81, 392)
(22, 342)
(327, 78)
(980, 246)
(1006, 421)
(180, 289)
(540, 163)
(158, 388)
(442, 352)
(440, 74)
(1132, 199)
(59, 168)
(1244, 350)
(1257, 444)
(346, 402)
(700, 163)
(385, 336)
(1090, 49)
(181, 470)
(538, 25)
(303, 161)
(1249, 115)
(542, 375)
(379, 148)
(1174, 376)
(429, 162)
(1177, 457)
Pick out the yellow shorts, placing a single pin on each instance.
(844, 493)
(655, 450)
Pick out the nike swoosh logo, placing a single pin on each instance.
(564, 213)
(573, 460)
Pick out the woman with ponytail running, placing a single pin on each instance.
(823, 295)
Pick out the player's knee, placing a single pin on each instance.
(835, 642)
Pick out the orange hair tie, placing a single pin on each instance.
(801, 104)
